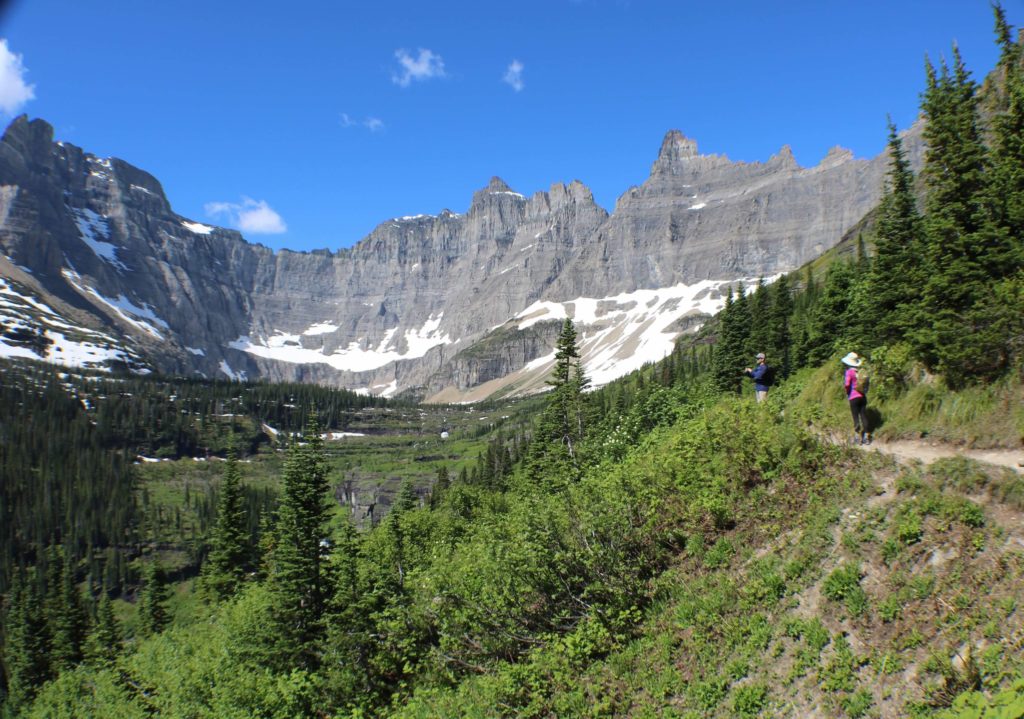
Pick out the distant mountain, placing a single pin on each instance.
(97, 269)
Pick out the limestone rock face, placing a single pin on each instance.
(437, 304)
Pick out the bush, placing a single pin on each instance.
(843, 585)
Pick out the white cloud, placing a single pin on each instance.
(424, 67)
(373, 124)
(13, 91)
(253, 216)
(514, 76)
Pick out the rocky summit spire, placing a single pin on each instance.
(496, 186)
(676, 149)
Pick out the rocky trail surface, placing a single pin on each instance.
(910, 450)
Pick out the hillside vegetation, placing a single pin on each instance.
(662, 547)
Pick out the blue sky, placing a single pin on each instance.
(308, 123)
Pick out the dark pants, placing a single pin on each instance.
(859, 410)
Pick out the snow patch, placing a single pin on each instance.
(285, 347)
(622, 333)
(122, 306)
(321, 328)
(226, 369)
(196, 351)
(197, 227)
(54, 339)
(95, 232)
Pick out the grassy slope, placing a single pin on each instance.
(841, 585)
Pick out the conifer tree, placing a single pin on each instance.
(153, 598)
(760, 314)
(559, 433)
(1007, 187)
(440, 487)
(779, 336)
(298, 579)
(894, 281)
(26, 649)
(103, 645)
(965, 245)
(230, 554)
(67, 624)
(731, 354)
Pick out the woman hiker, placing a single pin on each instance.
(857, 392)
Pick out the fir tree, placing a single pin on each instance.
(894, 280)
(965, 246)
(1007, 187)
(558, 436)
(66, 619)
(298, 578)
(103, 645)
(26, 649)
(230, 555)
(731, 353)
(779, 337)
(153, 598)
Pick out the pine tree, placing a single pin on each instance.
(760, 312)
(67, 624)
(440, 487)
(731, 353)
(894, 281)
(965, 245)
(230, 555)
(555, 450)
(298, 579)
(26, 649)
(103, 646)
(1007, 193)
(779, 337)
(153, 598)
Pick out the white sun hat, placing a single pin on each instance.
(851, 360)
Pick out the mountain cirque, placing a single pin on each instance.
(451, 307)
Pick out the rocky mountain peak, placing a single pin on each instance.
(783, 158)
(675, 150)
(496, 188)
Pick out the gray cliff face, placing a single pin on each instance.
(415, 305)
(703, 217)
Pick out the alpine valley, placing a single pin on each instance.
(99, 271)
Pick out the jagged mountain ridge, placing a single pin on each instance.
(452, 306)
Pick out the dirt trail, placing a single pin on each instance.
(909, 449)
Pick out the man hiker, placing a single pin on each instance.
(762, 376)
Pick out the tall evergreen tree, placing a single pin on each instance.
(558, 436)
(230, 555)
(1007, 187)
(103, 645)
(966, 246)
(66, 620)
(779, 335)
(298, 579)
(731, 353)
(760, 316)
(153, 597)
(26, 649)
(893, 284)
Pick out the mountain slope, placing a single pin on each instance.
(406, 309)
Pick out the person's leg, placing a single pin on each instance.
(855, 411)
(761, 394)
(865, 431)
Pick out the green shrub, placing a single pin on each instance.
(843, 585)
(749, 700)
